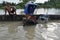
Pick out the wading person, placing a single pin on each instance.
(11, 11)
(29, 10)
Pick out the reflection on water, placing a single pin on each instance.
(29, 32)
(16, 31)
(12, 28)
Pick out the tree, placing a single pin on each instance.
(13, 4)
(3, 3)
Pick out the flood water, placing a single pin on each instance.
(16, 31)
(51, 11)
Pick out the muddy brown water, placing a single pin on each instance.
(16, 31)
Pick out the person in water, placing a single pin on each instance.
(29, 10)
(11, 11)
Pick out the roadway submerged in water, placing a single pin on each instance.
(43, 31)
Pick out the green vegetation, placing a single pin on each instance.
(53, 4)
(49, 4)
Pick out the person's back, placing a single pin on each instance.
(29, 8)
(32, 9)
